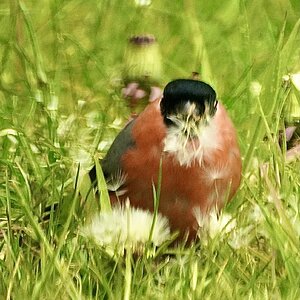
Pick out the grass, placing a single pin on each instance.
(60, 103)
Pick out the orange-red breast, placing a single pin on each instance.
(193, 135)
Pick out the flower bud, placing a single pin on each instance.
(142, 61)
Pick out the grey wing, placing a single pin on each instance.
(111, 164)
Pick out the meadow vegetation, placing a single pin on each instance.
(61, 75)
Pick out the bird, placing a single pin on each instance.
(186, 142)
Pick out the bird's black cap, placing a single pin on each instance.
(178, 92)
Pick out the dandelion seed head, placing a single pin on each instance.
(93, 120)
(83, 157)
(214, 223)
(240, 238)
(126, 227)
(256, 214)
(65, 125)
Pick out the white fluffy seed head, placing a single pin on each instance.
(214, 223)
(125, 227)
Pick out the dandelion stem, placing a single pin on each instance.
(128, 274)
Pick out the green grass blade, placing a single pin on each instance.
(105, 204)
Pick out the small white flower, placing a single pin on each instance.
(142, 2)
(255, 88)
(126, 227)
